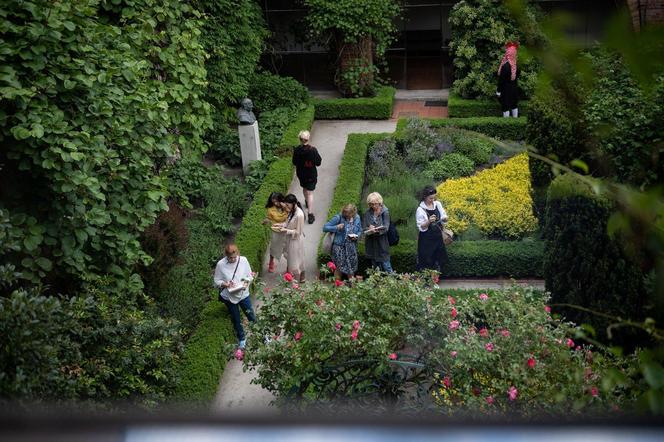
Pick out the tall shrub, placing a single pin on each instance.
(96, 96)
(480, 29)
(582, 265)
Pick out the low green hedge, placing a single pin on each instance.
(373, 108)
(203, 360)
(470, 259)
(496, 127)
(458, 107)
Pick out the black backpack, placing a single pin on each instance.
(392, 234)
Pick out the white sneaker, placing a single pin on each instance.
(243, 344)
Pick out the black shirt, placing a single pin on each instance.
(306, 159)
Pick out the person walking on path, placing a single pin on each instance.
(430, 217)
(233, 275)
(306, 159)
(294, 230)
(508, 75)
(376, 222)
(347, 228)
(276, 216)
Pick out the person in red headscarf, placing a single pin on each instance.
(508, 75)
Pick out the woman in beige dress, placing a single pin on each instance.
(294, 229)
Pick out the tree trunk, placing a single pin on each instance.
(355, 70)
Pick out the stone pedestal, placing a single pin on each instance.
(250, 144)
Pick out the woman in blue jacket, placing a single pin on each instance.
(347, 229)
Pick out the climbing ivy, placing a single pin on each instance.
(95, 97)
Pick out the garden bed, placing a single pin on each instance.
(477, 254)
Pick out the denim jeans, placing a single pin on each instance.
(385, 266)
(234, 310)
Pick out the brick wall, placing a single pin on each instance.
(646, 12)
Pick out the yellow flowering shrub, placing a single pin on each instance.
(496, 200)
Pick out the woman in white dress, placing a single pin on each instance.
(294, 229)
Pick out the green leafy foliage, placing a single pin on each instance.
(88, 111)
(477, 149)
(163, 241)
(582, 265)
(372, 108)
(357, 31)
(232, 34)
(96, 346)
(495, 127)
(480, 29)
(458, 107)
(451, 165)
(269, 91)
(203, 360)
(472, 346)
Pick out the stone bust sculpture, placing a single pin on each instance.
(244, 113)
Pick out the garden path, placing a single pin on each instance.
(236, 395)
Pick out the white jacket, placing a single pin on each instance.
(421, 215)
(224, 272)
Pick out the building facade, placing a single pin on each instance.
(420, 57)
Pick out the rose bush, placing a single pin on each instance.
(494, 351)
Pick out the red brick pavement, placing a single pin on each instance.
(408, 108)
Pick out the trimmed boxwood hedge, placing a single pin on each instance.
(471, 259)
(372, 108)
(496, 127)
(516, 259)
(203, 362)
(458, 107)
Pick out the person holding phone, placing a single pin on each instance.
(232, 275)
(430, 217)
(347, 228)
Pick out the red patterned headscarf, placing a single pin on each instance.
(510, 55)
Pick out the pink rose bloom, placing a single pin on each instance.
(393, 356)
(296, 286)
(451, 300)
(594, 391)
(331, 266)
(454, 312)
(547, 309)
(435, 279)
(483, 296)
(239, 354)
(338, 282)
(531, 362)
(489, 400)
(489, 346)
(454, 325)
(356, 324)
(453, 353)
(337, 326)
(505, 333)
(288, 277)
(353, 336)
(298, 336)
(447, 382)
(512, 393)
(570, 343)
(484, 332)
